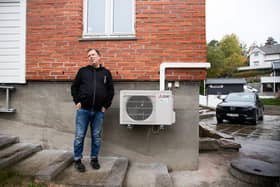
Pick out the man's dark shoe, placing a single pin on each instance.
(94, 163)
(80, 166)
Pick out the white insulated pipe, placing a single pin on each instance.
(191, 65)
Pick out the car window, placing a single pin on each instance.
(241, 97)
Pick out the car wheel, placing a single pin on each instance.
(261, 117)
(254, 122)
(219, 120)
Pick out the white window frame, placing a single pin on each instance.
(109, 34)
(20, 77)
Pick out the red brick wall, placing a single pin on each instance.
(166, 31)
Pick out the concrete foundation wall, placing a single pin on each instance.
(46, 114)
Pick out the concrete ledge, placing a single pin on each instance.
(44, 165)
(112, 168)
(6, 140)
(212, 144)
(118, 173)
(13, 154)
(55, 167)
(140, 174)
(208, 144)
(205, 131)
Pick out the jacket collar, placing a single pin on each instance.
(92, 68)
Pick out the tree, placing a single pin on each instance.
(230, 45)
(270, 41)
(213, 43)
(216, 57)
(225, 56)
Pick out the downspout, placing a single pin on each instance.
(191, 65)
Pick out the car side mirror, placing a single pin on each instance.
(221, 97)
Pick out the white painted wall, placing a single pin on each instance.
(12, 41)
(210, 101)
(259, 58)
(272, 57)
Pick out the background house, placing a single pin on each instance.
(266, 57)
(44, 43)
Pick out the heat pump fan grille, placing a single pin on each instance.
(139, 107)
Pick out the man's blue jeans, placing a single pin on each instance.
(84, 118)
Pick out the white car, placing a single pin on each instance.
(248, 88)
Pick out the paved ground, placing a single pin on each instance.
(268, 129)
(260, 142)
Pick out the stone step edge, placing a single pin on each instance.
(118, 173)
(8, 140)
(56, 168)
(20, 155)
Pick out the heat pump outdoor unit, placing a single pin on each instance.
(146, 107)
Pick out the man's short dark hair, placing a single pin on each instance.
(96, 50)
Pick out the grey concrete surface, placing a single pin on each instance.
(213, 167)
(44, 165)
(213, 171)
(268, 129)
(208, 144)
(7, 140)
(272, 110)
(112, 168)
(117, 173)
(148, 175)
(16, 152)
(48, 108)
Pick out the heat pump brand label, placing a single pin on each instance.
(163, 98)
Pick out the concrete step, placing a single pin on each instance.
(6, 140)
(154, 174)
(16, 152)
(44, 165)
(112, 173)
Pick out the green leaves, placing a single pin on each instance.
(225, 56)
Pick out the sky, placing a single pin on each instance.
(253, 21)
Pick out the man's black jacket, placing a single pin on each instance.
(93, 88)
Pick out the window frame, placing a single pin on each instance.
(109, 19)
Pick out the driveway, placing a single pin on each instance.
(268, 129)
(261, 141)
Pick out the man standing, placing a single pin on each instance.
(92, 91)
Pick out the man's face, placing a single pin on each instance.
(93, 57)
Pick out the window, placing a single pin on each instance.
(256, 63)
(12, 41)
(256, 53)
(109, 19)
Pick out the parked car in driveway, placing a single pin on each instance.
(240, 106)
(248, 88)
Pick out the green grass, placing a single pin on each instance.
(9, 178)
(271, 101)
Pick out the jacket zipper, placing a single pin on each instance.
(94, 88)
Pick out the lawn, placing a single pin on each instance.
(10, 178)
(271, 101)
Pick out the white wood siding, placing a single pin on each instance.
(12, 41)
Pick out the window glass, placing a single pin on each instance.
(96, 16)
(240, 97)
(122, 16)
